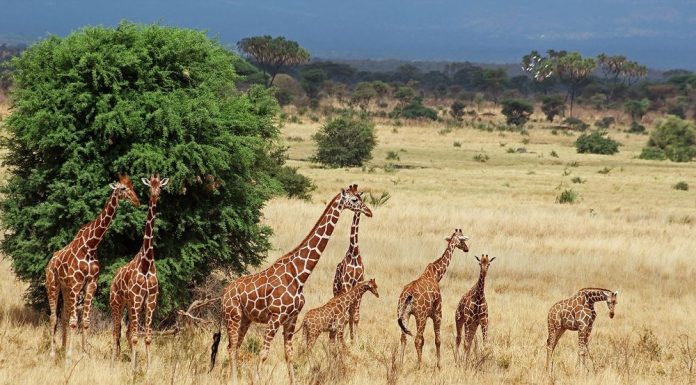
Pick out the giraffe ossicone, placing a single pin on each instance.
(275, 295)
(74, 269)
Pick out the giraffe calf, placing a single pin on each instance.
(473, 311)
(333, 316)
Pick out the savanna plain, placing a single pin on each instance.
(628, 230)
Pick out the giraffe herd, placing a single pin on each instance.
(275, 296)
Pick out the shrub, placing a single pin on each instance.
(605, 170)
(652, 153)
(554, 154)
(345, 141)
(457, 144)
(392, 155)
(483, 158)
(552, 106)
(605, 122)
(636, 128)
(577, 179)
(457, 110)
(415, 110)
(376, 201)
(683, 186)
(567, 196)
(517, 111)
(576, 124)
(637, 108)
(596, 143)
(676, 137)
(140, 99)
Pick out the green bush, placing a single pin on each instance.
(552, 106)
(415, 110)
(139, 99)
(567, 196)
(457, 110)
(345, 141)
(576, 124)
(683, 186)
(636, 128)
(605, 122)
(483, 158)
(577, 179)
(652, 153)
(596, 143)
(675, 137)
(517, 111)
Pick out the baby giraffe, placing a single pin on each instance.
(576, 313)
(334, 315)
(135, 286)
(473, 311)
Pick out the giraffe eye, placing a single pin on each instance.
(354, 199)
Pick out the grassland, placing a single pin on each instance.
(629, 231)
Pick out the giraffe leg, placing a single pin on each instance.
(233, 322)
(419, 340)
(288, 333)
(403, 347)
(53, 293)
(271, 330)
(583, 340)
(133, 326)
(90, 289)
(69, 337)
(554, 336)
(356, 318)
(244, 324)
(116, 319)
(340, 341)
(437, 319)
(311, 336)
(484, 328)
(469, 333)
(459, 322)
(149, 311)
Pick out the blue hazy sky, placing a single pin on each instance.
(661, 34)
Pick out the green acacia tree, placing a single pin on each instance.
(273, 54)
(139, 99)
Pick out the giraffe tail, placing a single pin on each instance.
(216, 343)
(403, 311)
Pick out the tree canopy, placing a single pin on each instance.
(139, 99)
(273, 54)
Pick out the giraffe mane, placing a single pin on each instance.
(595, 288)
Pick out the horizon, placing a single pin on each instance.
(657, 34)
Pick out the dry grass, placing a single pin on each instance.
(630, 231)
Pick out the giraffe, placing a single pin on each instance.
(333, 316)
(421, 298)
(275, 296)
(473, 311)
(135, 284)
(349, 272)
(577, 313)
(75, 268)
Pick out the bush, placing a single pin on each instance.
(675, 137)
(652, 153)
(683, 186)
(605, 122)
(567, 196)
(577, 179)
(415, 110)
(596, 143)
(345, 141)
(576, 124)
(483, 158)
(139, 99)
(457, 110)
(517, 111)
(636, 128)
(552, 106)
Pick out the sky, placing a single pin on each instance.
(660, 34)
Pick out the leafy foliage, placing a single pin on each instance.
(517, 111)
(139, 99)
(567, 196)
(552, 106)
(273, 53)
(596, 143)
(457, 110)
(675, 137)
(683, 186)
(637, 108)
(415, 110)
(345, 141)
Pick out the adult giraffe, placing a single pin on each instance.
(275, 296)
(75, 268)
(135, 284)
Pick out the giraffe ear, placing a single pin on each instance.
(616, 293)
(492, 259)
(164, 182)
(477, 258)
(113, 186)
(145, 181)
(448, 239)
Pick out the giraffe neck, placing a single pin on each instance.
(595, 295)
(356, 293)
(147, 254)
(97, 228)
(438, 268)
(353, 249)
(480, 284)
(306, 255)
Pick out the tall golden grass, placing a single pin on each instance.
(630, 231)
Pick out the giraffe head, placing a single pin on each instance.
(124, 189)
(611, 302)
(371, 285)
(484, 262)
(460, 240)
(351, 199)
(155, 184)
